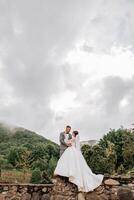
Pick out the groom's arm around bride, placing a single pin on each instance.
(63, 144)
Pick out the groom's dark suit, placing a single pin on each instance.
(63, 145)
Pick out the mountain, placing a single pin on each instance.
(17, 136)
(89, 142)
(23, 151)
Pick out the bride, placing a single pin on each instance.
(73, 165)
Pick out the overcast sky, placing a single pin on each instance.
(67, 62)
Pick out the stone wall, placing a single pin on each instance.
(112, 188)
(25, 191)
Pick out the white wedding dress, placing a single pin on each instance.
(72, 164)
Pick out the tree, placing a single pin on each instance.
(51, 151)
(115, 137)
(52, 166)
(113, 153)
(41, 164)
(1, 163)
(36, 176)
(13, 156)
(99, 161)
(128, 153)
(19, 158)
(87, 153)
(38, 153)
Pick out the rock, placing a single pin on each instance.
(125, 194)
(36, 189)
(131, 186)
(107, 192)
(14, 198)
(63, 189)
(23, 190)
(99, 190)
(113, 197)
(4, 193)
(5, 188)
(35, 196)
(92, 196)
(81, 196)
(26, 196)
(13, 189)
(2, 197)
(104, 197)
(44, 189)
(114, 189)
(45, 197)
(111, 182)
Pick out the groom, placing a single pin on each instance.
(64, 136)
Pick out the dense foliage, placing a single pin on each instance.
(114, 153)
(24, 150)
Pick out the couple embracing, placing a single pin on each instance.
(73, 165)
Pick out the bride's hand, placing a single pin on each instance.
(69, 143)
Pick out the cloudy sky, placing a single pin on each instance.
(67, 62)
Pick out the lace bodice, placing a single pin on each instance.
(76, 142)
(73, 141)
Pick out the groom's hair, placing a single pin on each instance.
(68, 126)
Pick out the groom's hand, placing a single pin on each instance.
(69, 144)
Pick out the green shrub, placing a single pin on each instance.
(121, 169)
(36, 176)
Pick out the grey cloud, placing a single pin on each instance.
(97, 115)
(35, 37)
(114, 90)
(29, 49)
(111, 24)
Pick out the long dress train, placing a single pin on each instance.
(72, 164)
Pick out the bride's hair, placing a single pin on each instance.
(75, 133)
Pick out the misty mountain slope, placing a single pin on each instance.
(17, 136)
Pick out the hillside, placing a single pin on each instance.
(23, 151)
(89, 142)
(16, 136)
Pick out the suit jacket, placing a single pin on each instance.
(63, 144)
